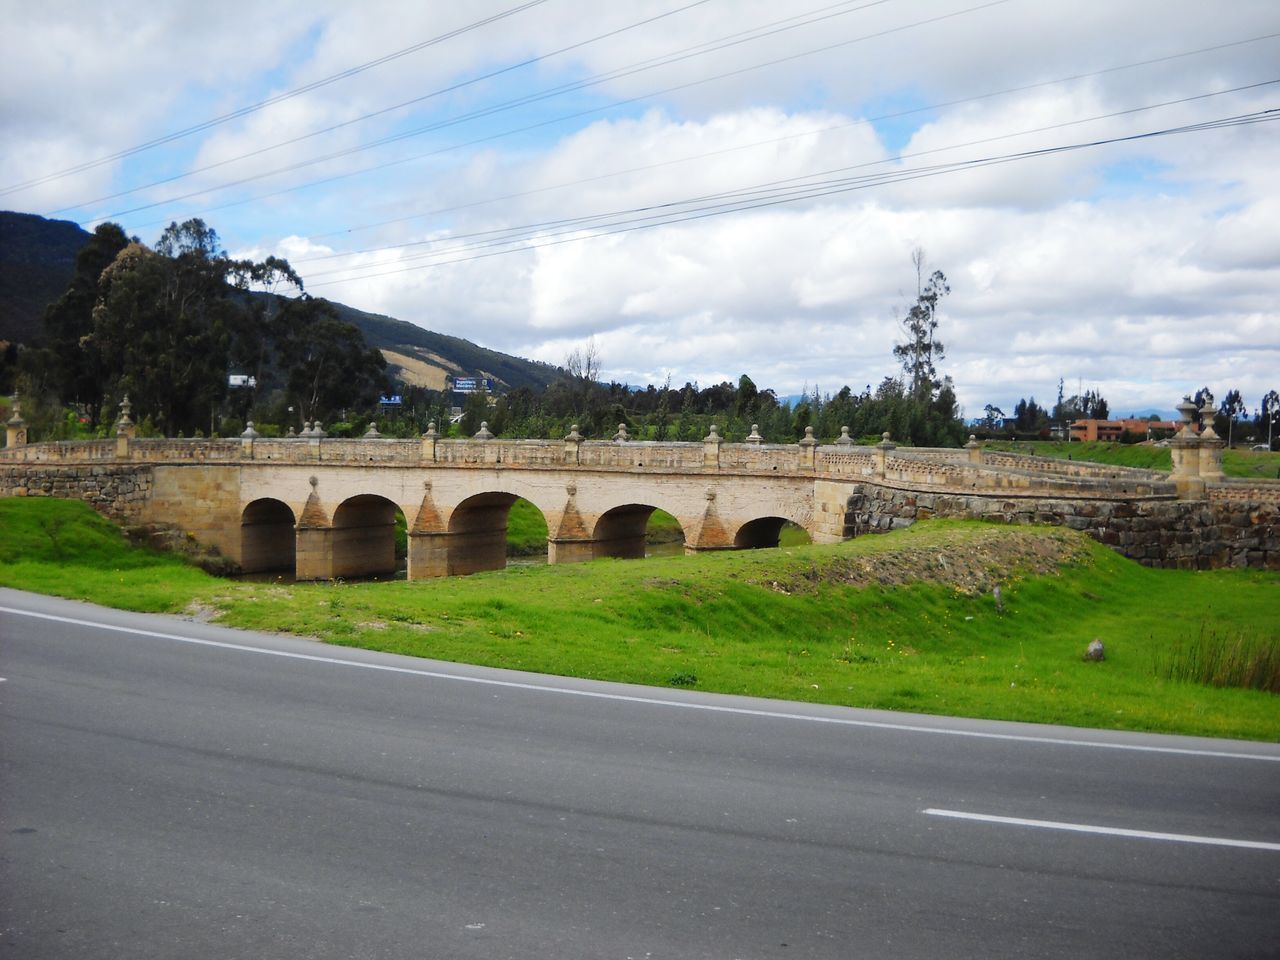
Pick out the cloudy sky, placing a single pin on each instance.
(705, 188)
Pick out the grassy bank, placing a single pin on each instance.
(1235, 463)
(905, 621)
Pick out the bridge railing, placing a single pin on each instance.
(1245, 490)
(499, 452)
(1079, 468)
(844, 461)
(915, 467)
(167, 450)
(65, 451)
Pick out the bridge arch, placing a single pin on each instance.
(765, 532)
(364, 536)
(622, 531)
(477, 532)
(267, 540)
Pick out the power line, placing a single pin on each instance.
(271, 101)
(732, 201)
(761, 32)
(385, 110)
(764, 199)
(524, 129)
(746, 146)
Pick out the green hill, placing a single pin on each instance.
(37, 259)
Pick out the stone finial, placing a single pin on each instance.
(249, 432)
(292, 434)
(621, 436)
(432, 433)
(1207, 413)
(713, 435)
(307, 428)
(844, 440)
(754, 435)
(974, 448)
(124, 425)
(574, 435)
(317, 432)
(372, 433)
(809, 440)
(885, 443)
(15, 433)
(484, 433)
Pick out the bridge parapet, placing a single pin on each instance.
(1079, 468)
(1245, 490)
(79, 451)
(156, 450)
(923, 468)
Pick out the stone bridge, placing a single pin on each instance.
(326, 508)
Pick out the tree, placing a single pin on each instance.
(745, 402)
(1270, 412)
(327, 365)
(159, 328)
(71, 363)
(1029, 416)
(993, 416)
(919, 326)
(583, 367)
(1232, 406)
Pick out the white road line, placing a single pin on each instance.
(1109, 831)
(650, 701)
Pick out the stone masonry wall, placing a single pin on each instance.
(119, 491)
(1186, 534)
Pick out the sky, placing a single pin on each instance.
(704, 189)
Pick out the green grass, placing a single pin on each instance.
(63, 548)
(1235, 463)
(844, 624)
(526, 530)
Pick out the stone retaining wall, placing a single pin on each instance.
(120, 491)
(1185, 534)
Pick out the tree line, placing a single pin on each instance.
(168, 326)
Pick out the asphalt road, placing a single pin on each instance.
(175, 790)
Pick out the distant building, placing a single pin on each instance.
(1115, 429)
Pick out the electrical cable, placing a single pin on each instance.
(270, 101)
(385, 110)
(758, 143)
(524, 129)
(534, 229)
(845, 185)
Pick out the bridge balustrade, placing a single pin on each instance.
(65, 451)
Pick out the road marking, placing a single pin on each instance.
(649, 701)
(1109, 831)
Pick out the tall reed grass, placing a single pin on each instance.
(1233, 659)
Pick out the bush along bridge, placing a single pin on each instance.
(326, 508)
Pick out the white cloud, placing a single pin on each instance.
(1144, 269)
